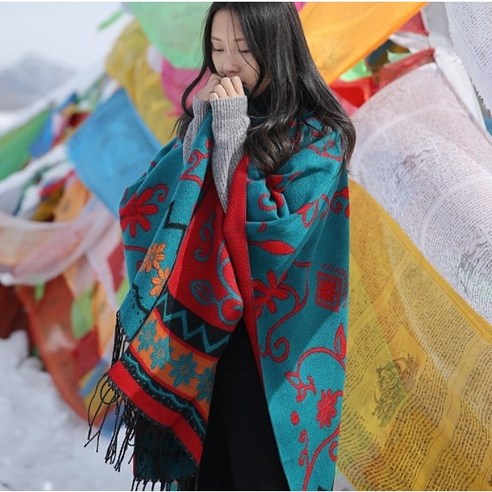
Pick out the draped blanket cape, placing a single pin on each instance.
(278, 259)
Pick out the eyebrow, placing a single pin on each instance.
(218, 39)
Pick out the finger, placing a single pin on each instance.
(206, 90)
(229, 87)
(220, 91)
(214, 96)
(238, 85)
(214, 79)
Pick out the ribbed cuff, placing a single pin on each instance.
(230, 108)
(230, 123)
(200, 108)
(230, 120)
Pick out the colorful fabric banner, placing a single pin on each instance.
(112, 149)
(415, 25)
(72, 315)
(174, 82)
(357, 92)
(340, 34)
(470, 27)
(20, 193)
(44, 139)
(13, 313)
(34, 252)
(15, 145)
(174, 28)
(427, 162)
(416, 413)
(72, 332)
(448, 61)
(358, 71)
(127, 63)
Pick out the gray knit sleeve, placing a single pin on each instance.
(200, 109)
(230, 123)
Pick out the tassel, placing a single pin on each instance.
(120, 342)
(103, 389)
(181, 485)
(108, 396)
(152, 444)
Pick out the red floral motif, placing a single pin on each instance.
(278, 349)
(305, 210)
(323, 151)
(299, 385)
(327, 407)
(262, 227)
(274, 247)
(338, 353)
(337, 205)
(266, 293)
(276, 184)
(135, 212)
(309, 462)
(294, 418)
(331, 451)
(195, 160)
(340, 345)
(329, 291)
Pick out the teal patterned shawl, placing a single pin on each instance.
(278, 259)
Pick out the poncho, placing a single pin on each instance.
(278, 259)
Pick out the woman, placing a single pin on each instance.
(230, 346)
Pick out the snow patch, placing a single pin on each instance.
(42, 439)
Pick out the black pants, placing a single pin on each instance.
(240, 452)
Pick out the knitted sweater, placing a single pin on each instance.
(230, 122)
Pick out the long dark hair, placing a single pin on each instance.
(275, 38)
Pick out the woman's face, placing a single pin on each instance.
(230, 52)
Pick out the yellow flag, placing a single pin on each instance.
(127, 63)
(340, 34)
(417, 412)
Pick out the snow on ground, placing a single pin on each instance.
(42, 439)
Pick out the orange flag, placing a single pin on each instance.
(340, 34)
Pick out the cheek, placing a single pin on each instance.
(251, 74)
(216, 61)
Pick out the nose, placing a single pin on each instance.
(230, 65)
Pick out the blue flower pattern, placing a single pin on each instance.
(147, 336)
(205, 384)
(160, 353)
(183, 370)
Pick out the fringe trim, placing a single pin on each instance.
(130, 421)
(109, 397)
(182, 484)
(120, 342)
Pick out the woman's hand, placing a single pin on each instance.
(204, 94)
(228, 87)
